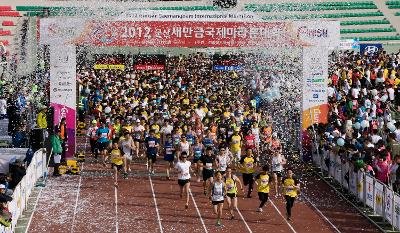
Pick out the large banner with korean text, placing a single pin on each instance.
(209, 29)
(63, 90)
(315, 85)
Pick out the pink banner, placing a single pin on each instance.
(61, 111)
(188, 34)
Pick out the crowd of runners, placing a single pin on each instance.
(204, 123)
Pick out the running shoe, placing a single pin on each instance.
(186, 206)
(232, 218)
(168, 178)
(259, 210)
(218, 224)
(125, 175)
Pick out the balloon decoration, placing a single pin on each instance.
(391, 126)
(340, 142)
(107, 110)
(357, 125)
(364, 124)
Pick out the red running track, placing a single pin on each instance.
(137, 211)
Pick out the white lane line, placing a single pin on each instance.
(245, 223)
(279, 212)
(198, 211)
(34, 209)
(155, 203)
(116, 208)
(320, 213)
(76, 201)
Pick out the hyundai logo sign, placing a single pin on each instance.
(370, 49)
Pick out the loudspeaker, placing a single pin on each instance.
(225, 3)
(50, 119)
(37, 138)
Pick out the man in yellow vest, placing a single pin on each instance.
(291, 187)
(42, 118)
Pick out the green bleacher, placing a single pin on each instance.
(365, 30)
(364, 22)
(318, 6)
(82, 11)
(375, 38)
(397, 14)
(328, 16)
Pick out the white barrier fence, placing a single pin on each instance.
(368, 190)
(36, 169)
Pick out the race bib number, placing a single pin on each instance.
(169, 151)
(137, 135)
(289, 189)
(209, 165)
(104, 135)
(152, 143)
(197, 154)
(235, 141)
(229, 187)
(264, 181)
(249, 165)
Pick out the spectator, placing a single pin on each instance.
(56, 144)
(42, 118)
(17, 172)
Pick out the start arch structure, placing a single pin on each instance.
(188, 29)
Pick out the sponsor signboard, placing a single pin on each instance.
(217, 32)
(227, 68)
(63, 89)
(370, 49)
(108, 67)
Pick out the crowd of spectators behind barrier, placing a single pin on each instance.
(364, 115)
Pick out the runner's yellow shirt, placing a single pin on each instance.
(231, 186)
(263, 183)
(156, 129)
(116, 153)
(248, 165)
(289, 187)
(235, 146)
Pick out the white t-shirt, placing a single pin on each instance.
(185, 147)
(167, 129)
(391, 93)
(126, 146)
(183, 169)
(277, 163)
(375, 138)
(138, 129)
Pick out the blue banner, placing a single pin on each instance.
(227, 68)
(370, 49)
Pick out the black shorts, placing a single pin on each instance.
(231, 195)
(137, 140)
(207, 174)
(217, 202)
(262, 196)
(183, 182)
(278, 173)
(195, 160)
(152, 157)
(119, 167)
(102, 145)
(247, 179)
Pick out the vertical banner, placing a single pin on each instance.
(369, 182)
(63, 89)
(389, 205)
(360, 186)
(396, 222)
(315, 85)
(378, 207)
